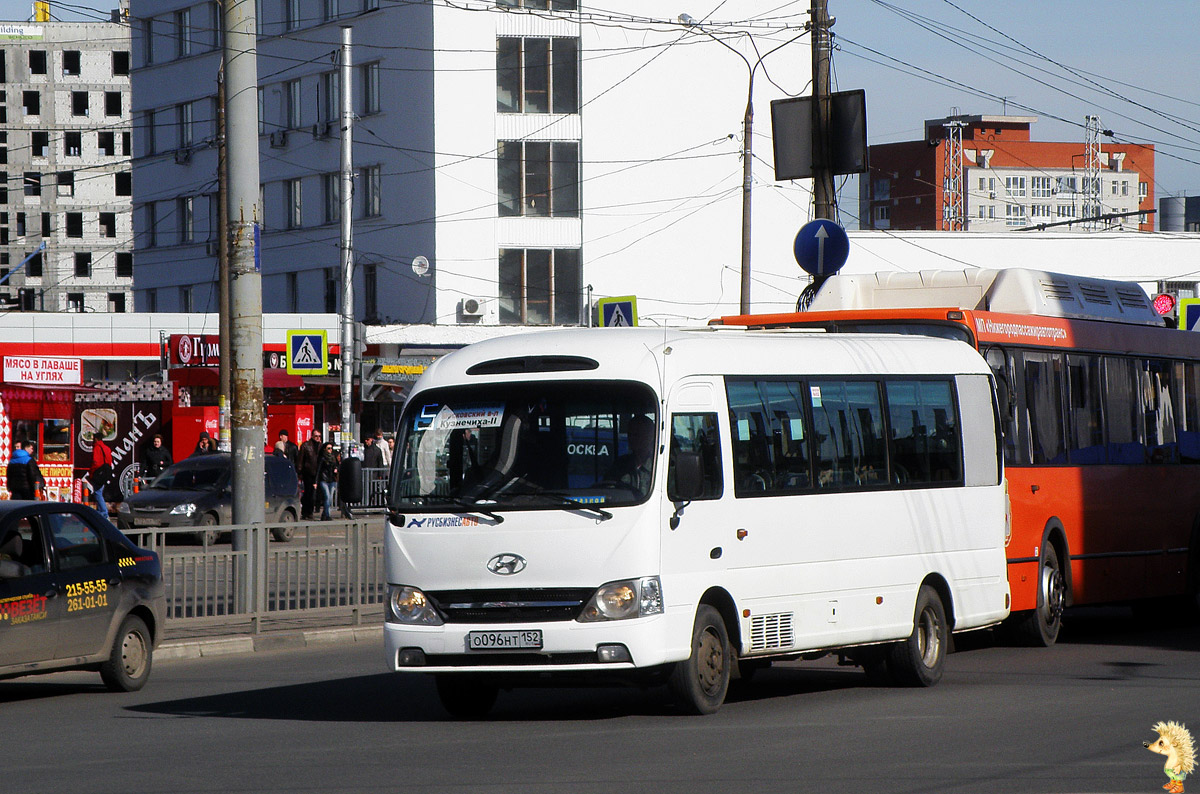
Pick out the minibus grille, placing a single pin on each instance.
(531, 605)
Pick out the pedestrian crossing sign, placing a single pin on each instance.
(618, 312)
(307, 353)
(1189, 314)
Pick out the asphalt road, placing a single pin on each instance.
(1067, 719)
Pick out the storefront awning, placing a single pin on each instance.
(210, 376)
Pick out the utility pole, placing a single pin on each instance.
(245, 298)
(226, 344)
(347, 245)
(823, 189)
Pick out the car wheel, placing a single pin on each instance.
(918, 660)
(466, 696)
(285, 533)
(700, 682)
(208, 537)
(1039, 627)
(128, 665)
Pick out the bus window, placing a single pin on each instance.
(1085, 429)
(1124, 411)
(1044, 406)
(770, 453)
(1159, 411)
(697, 433)
(1002, 366)
(848, 433)
(1189, 412)
(925, 438)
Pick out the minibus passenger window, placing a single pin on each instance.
(926, 442)
(848, 423)
(770, 445)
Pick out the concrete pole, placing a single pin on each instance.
(226, 346)
(823, 190)
(245, 294)
(347, 245)
(747, 188)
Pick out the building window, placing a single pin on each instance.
(120, 63)
(1039, 187)
(370, 88)
(72, 144)
(1065, 210)
(293, 201)
(79, 103)
(151, 224)
(536, 75)
(75, 301)
(106, 142)
(1014, 186)
(330, 97)
(292, 104)
(116, 302)
(331, 192)
(331, 290)
(369, 185)
(47, 224)
(1143, 189)
(70, 63)
(1114, 187)
(541, 5)
(262, 113)
(881, 189)
(74, 225)
(1066, 184)
(33, 183)
(41, 142)
(538, 179)
(1124, 187)
(33, 268)
(292, 291)
(124, 264)
(183, 120)
(291, 14)
(123, 183)
(540, 286)
(1039, 211)
(151, 300)
(881, 213)
(31, 103)
(183, 33)
(371, 291)
(83, 264)
(1014, 215)
(37, 61)
(112, 103)
(185, 210)
(108, 224)
(329, 10)
(185, 299)
(66, 184)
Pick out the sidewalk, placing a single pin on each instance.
(283, 634)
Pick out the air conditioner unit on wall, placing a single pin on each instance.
(279, 139)
(472, 307)
(183, 156)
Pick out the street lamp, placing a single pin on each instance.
(690, 22)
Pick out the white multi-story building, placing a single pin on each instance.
(513, 159)
(65, 145)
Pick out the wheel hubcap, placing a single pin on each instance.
(929, 637)
(133, 654)
(710, 661)
(1055, 590)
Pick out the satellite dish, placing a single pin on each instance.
(420, 265)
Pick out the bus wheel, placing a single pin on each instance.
(918, 660)
(1039, 627)
(700, 682)
(466, 697)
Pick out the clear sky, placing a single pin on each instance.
(1132, 64)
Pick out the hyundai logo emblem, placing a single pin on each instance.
(506, 564)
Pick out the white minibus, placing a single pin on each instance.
(685, 506)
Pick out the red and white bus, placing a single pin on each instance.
(1100, 405)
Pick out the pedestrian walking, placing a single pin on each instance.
(285, 448)
(327, 477)
(372, 454)
(205, 445)
(156, 458)
(306, 465)
(100, 473)
(381, 443)
(22, 474)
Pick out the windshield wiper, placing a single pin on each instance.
(475, 508)
(566, 501)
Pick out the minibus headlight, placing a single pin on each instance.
(409, 605)
(631, 598)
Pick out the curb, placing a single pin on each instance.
(276, 641)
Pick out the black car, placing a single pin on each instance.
(75, 593)
(197, 492)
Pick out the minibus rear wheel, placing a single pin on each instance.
(466, 696)
(918, 660)
(700, 682)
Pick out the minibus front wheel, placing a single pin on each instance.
(700, 682)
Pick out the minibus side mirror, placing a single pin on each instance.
(689, 477)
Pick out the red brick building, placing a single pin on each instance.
(1008, 181)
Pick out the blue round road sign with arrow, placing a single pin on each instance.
(821, 247)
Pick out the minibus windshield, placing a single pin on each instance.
(565, 445)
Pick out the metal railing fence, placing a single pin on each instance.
(329, 568)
